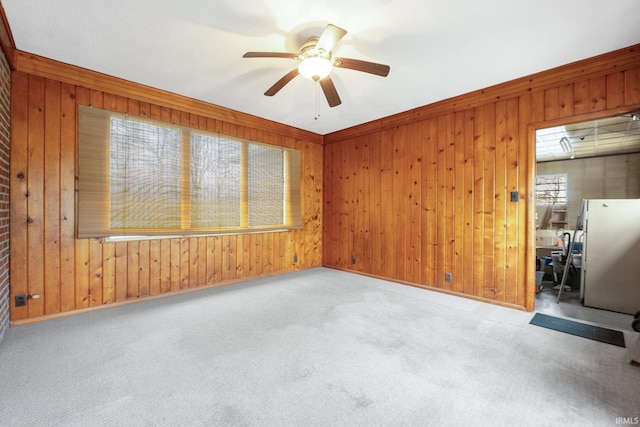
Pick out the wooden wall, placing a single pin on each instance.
(409, 197)
(427, 192)
(73, 274)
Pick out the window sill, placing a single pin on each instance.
(131, 238)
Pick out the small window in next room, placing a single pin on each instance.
(551, 189)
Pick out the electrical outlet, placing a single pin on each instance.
(447, 277)
(295, 258)
(353, 259)
(21, 300)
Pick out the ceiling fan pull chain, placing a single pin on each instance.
(316, 102)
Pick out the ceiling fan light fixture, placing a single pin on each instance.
(315, 68)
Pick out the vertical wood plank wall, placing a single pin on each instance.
(420, 194)
(69, 273)
(408, 198)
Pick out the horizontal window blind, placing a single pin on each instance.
(144, 177)
(215, 182)
(266, 185)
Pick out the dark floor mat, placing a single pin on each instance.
(584, 330)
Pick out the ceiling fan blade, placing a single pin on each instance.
(269, 55)
(330, 91)
(365, 66)
(283, 81)
(330, 37)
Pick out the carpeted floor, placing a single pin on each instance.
(314, 348)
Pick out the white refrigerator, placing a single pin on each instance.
(610, 277)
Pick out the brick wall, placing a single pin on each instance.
(5, 94)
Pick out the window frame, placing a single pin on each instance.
(88, 205)
(564, 190)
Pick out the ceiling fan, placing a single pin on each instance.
(315, 62)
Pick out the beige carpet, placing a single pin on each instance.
(313, 348)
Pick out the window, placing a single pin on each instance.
(216, 183)
(144, 172)
(141, 177)
(551, 189)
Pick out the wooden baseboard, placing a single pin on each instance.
(431, 288)
(148, 298)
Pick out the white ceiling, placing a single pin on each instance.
(436, 49)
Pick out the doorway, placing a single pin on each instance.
(587, 160)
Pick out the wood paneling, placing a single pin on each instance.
(409, 197)
(63, 273)
(467, 156)
(577, 74)
(6, 38)
(120, 91)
